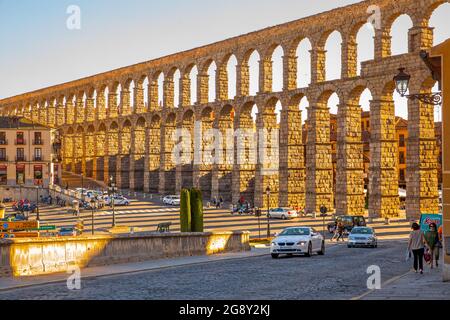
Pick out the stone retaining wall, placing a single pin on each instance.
(26, 257)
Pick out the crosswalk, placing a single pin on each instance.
(146, 216)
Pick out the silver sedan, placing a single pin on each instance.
(362, 236)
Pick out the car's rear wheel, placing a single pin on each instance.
(283, 217)
(309, 252)
(322, 249)
(275, 255)
(269, 216)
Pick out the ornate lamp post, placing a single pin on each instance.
(268, 211)
(402, 84)
(112, 191)
(93, 207)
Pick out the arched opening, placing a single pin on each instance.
(169, 162)
(333, 47)
(231, 71)
(145, 84)
(253, 63)
(277, 69)
(90, 151)
(212, 82)
(304, 63)
(399, 33)
(78, 151)
(193, 93)
(187, 151)
(439, 21)
(176, 88)
(125, 136)
(113, 150)
(207, 152)
(225, 156)
(139, 153)
(366, 45)
(246, 154)
(160, 81)
(100, 149)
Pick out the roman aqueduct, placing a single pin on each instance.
(104, 134)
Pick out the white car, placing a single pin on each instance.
(172, 200)
(283, 213)
(118, 201)
(297, 240)
(362, 236)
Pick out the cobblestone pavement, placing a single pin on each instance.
(340, 274)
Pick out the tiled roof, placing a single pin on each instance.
(20, 123)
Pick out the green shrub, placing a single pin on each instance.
(196, 210)
(185, 211)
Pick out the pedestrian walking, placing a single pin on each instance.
(340, 231)
(217, 203)
(432, 242)
(416, 245)
(221, 202)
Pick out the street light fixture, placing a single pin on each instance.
(268, 211)
(93, 207)
(402, 84)
(112, 191)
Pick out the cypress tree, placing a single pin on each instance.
(185, 211)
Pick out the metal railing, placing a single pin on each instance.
(38, 142)
(21, 158)
(3, 158)
(3, 142)
(19, 142)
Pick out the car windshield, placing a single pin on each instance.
(362, 231)
(295, 232)
(66, 229)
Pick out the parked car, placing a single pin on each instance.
(69, 232)
(297, 240)
(118, 201)
(362, 236)
(172, 200)
(283, 213)
(348, 221)
(15, 217)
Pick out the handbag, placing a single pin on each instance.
(427, 256)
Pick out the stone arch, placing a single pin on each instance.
(99, 171)
(139, 143)
(249, 68)
(402, 45)
(227, 78)
(329, 39)
(439, 9)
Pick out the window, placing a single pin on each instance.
(37, 138)
(3, 138)
(402, 158)
(401, 141)
(20, 174)
(20, 138)
(402, 175)
(37, 175)
(37, 154)
(3, 175)
(20, 156)
(3, 154)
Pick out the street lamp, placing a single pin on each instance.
(268, 211)
(93, 207)
(37, 203)
(323, 214)
(112, 193)
(402, 84)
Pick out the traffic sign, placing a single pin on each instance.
(45, 228)
(19, 225)
(5, 235)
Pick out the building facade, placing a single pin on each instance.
(28, 156)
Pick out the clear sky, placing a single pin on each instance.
(38, 50)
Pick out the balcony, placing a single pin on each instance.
(38, 158)
(38, 142)
(19, 142)
(3, 142)
(21, 158)
(3, 158)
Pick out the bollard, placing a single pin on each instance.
(386, 221)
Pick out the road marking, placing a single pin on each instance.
(388, 282)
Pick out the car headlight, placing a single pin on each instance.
(371, 238)
(301, 243)
(274, 243)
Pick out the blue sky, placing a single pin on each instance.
(38, 50)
